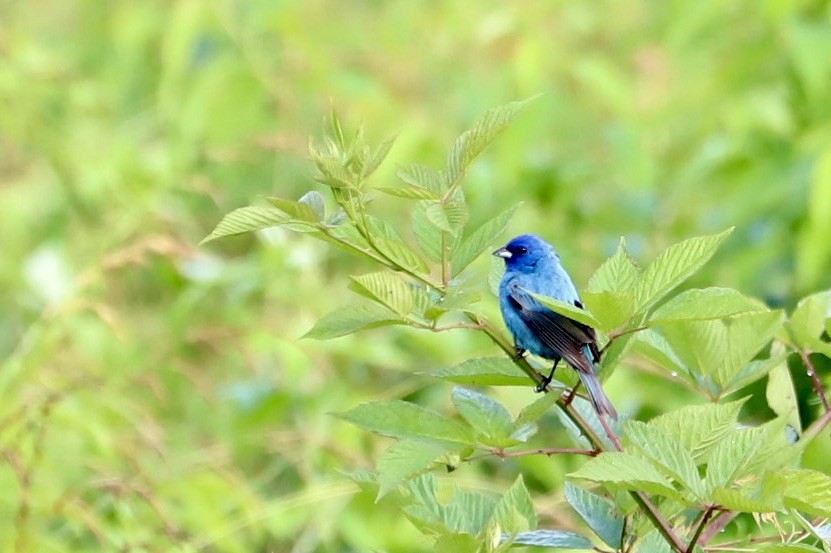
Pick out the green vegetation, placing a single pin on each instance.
(155, 394)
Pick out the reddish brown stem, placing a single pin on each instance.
(815, 379)
(549, 451)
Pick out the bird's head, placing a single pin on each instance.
(526, 252)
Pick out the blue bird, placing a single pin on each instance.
(532, 265)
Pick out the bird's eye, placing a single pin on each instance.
(521, 250)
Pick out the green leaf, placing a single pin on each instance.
(619, 273)
(514, 512)
(472, 142)
(553, 538)
(533, 412)
(315, 201)
(735, 500)
(674, 266)
(400, 254)
(331, 171)
(300, 211)
(809, 318)
(780, 392)
(478, 241)
(428, 236)
(246, 219)
(457, 543)
(495, 274)
(778, 447)
(730, 457)
(408, 458)
(625, 471)
(377, 157)
(353, 318)
(425, 178)
(657, 348)
(611, 309)
(400, 419)
(667, 453)
(483, 371)
(653, 542)
(787, 548)
(715, 351)
(387, 288)
(752, 372)
(567, 310)
(809, 491)
(468, 512)
(706, 304)
(460, 295)
(700, 428)
(409, 192)
(486, 415)
(587, 412)
(598, 513)
(449, 217)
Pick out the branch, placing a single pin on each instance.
(433, 327)
(815, 379)
(704, 520)
(641, 498)
(501, 453)
(379, 258)
(733, 545)
(819, 424)
(717, 526)
(615, 335)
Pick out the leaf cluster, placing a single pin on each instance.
(668, 479)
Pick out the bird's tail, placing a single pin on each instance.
(598, 397)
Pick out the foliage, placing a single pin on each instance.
(155, 394)
(686, 469)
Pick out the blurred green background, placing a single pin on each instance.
(154, 395)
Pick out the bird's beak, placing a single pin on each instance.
(503, 253)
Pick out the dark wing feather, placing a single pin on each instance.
(564, 335)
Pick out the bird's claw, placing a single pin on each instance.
(543, 385)
(519, 352)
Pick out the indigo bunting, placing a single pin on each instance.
(533, 266)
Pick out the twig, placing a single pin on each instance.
(817, 427)
(697, 534)
(447, 328)
(615, 335)
(731, 545)
(502, 454)
(546, 451)
(641, 498)
(815, 379)
(717, 526)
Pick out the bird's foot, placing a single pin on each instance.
(519, 352)
(547, 380)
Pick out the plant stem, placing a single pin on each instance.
(380, 258)
(501, 453)
(815, 379)
(819, 424)
(704, 519)
(615, 335)
(731, 546)
(641, 498)
(432, 328)
(717, 526)
(445, 269)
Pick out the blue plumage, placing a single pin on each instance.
(533, 266)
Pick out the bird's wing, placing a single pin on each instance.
(566, 336)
